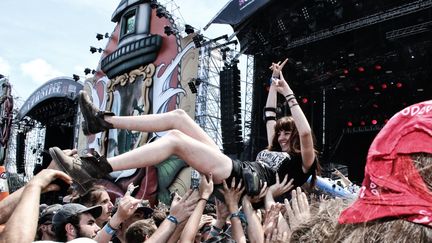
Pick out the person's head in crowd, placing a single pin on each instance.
(159, 216)
(142, 212)
(140, 231)
(97, 195)
(395, 201)
(75, 220)
(45, 229)
(322, 222)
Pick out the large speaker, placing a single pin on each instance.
(230, 98)
(20, 152)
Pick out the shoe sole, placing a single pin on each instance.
(54, 156)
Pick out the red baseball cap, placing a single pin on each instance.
(392, 186)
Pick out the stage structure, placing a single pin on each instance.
(353, 64)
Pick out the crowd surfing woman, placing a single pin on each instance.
(291, 151)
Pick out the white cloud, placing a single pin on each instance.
(39, 70)
(5, 68)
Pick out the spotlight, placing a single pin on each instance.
(189, 29)
(374, 122)
(154, 4)
(362, 123)
(197, 40)
(168, 30)
(345, 71)
(160, 12)
(399, 85)
(75, 77)
(87, 71)
(371, 87)
(192, 87)
(378, 67)
(361, 69)
(349, 123)
(93, 49)
(99, 36)
(384, 86)
(305, 100)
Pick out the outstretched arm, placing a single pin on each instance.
(272, 100)
(191, 228)
(180, 210)
(22, 224)
(302, 124)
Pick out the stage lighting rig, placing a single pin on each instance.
(100, 36)
(76, 77)
(94, 49)
(161, 12)
(154, 4)
(189, 29)
(168, 30)
(87, 71)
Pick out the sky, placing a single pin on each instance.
(45, 39)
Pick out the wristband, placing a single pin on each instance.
(108, 229)
(240, 216)
(172, 219)
(273, 109)
(291, 106)
(269, 118)
(289, 95)
(292, 98)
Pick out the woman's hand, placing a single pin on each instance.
(282, 86)
(277, 68)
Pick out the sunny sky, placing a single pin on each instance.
(41, 40)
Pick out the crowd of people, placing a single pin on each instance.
(266, 200)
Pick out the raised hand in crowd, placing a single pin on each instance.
(232, 197)
(276, 237)
(125, 209)
(181, 209)
(222, 214)
(277, 189)
(261, 195)
(255, 230)
(271, 219)
(192, 225)
(298, 209)
(26, 206)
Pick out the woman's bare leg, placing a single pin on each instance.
(196, 154)
(176, 119)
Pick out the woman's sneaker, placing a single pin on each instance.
(83, 170)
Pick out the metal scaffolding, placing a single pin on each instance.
(396, 12)
(247, 99)
(207, 107)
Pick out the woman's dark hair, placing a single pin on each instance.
(60, 230)
(286, 123)
(91, 197)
